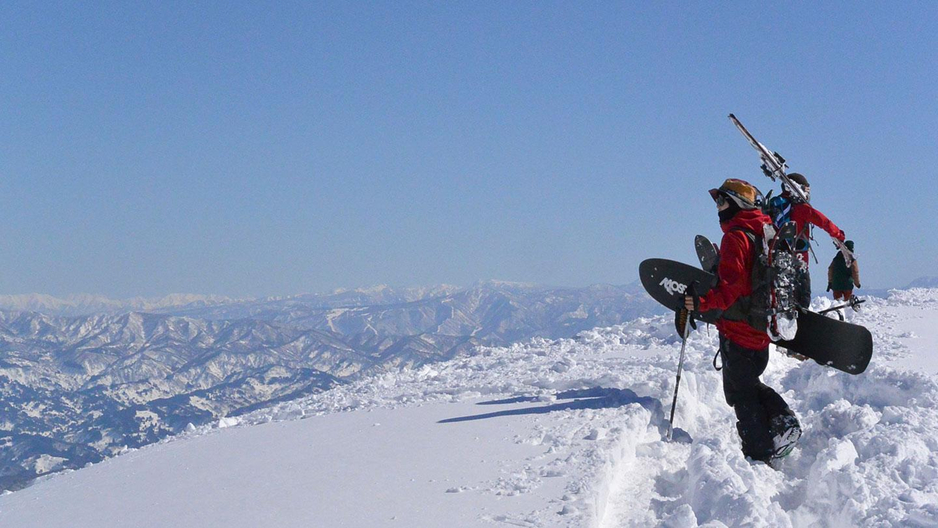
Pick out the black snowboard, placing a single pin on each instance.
(667, 281)
(843, 346)
(707, 253)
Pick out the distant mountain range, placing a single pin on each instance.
(924, 282)
(85, 304)
(84, 377)
(221, 307)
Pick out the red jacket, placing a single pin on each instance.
(735, 274)
(802, 214)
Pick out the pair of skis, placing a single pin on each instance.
(774, 166)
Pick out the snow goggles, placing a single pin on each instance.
(723, 195)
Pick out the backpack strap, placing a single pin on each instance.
(750, 234)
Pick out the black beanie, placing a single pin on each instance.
(799, 179)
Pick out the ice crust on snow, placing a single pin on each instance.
(590, 415)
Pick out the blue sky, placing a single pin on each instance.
(266, 149)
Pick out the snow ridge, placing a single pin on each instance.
(859, 430)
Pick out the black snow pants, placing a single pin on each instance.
(755, 402)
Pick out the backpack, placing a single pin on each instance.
(841, 276)
(778, 208)
(771, 306)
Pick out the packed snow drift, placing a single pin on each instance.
(546, 433)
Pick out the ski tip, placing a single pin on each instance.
(731, 116)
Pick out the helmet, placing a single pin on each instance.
(743, 193)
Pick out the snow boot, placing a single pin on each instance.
(785, 431)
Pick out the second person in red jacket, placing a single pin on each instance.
(805, 215)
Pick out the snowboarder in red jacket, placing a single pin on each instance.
(804, 215)
(768, 429)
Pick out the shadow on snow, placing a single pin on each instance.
(594, 398)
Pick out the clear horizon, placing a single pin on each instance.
(816, 292)
(252, 150)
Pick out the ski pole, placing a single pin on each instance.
(849, 303)
(680, 363)
(680, 367)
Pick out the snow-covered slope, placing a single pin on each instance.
(547, 433)
(74, 390)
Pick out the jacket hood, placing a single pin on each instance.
(751, 219)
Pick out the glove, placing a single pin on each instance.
(829, 286)
(681, 319)
(683, 316)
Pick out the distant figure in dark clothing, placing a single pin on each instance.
(841, 279)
